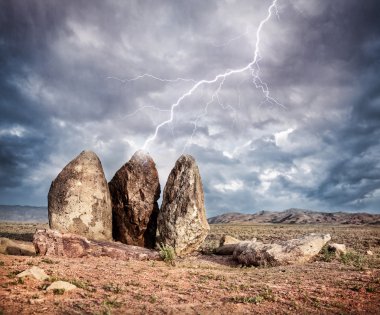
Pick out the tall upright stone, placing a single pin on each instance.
(182, 221)
(79, 201)
(135, 189)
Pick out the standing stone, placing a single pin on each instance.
(182, 221)
(79, 201)
(135, 189)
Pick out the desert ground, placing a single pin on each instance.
(203, 283)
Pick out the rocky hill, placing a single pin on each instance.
(297, 216)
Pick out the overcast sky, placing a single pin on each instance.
(65, 86)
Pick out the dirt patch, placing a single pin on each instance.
(201, 284)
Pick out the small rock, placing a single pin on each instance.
(369, 253)
(227, 240)
(61, 285)
(34, 272)
(339, 249)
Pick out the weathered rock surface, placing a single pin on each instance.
(20, 248)
(290, 252)
(61, 285)
(182, 220)
(34, 272)
(54, 243)
(135, 189)
(79, 200)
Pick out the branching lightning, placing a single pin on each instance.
(219, 79)
(147, 75)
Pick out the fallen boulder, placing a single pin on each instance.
(135, 189)
(54, 243)
(293, 251)
(79, 201)
(182, 222)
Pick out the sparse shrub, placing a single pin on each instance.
(370, 289)
(266, 295)
(326, 255)
(112, 303)
(1, 263)
(12, 274)
(112, 288)
(48, 261)
(58, 291)
(81, 284)
(247, 299)
(353, 259)
(133, 283)
(167, 253)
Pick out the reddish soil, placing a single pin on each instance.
(204, 284)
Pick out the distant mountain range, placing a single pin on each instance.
(290, 216)
(23, 213)
(297, 216)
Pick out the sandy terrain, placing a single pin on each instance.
(201, 284)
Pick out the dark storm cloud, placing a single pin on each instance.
(64, 88)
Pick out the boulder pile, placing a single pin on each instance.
(85, 211)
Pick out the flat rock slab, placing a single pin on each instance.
(294, 251)
(54, 243)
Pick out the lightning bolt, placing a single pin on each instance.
(252, 67)
(147, 75)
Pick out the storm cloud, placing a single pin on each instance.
(72, 78)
